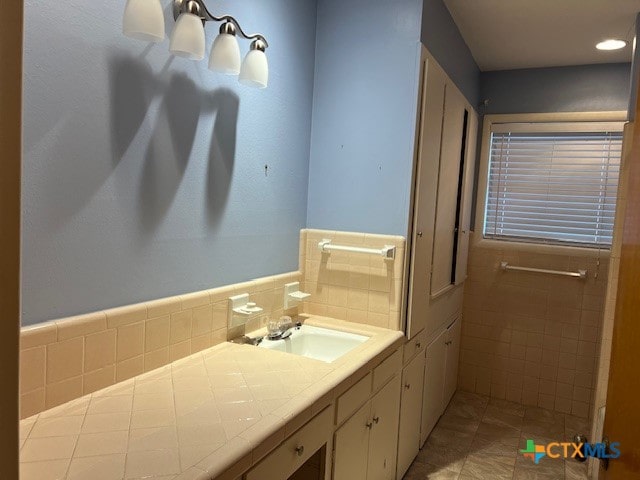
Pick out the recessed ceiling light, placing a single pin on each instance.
(611, 44)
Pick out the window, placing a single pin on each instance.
(553, 182)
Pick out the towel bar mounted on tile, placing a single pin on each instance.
(579, 274)
(388, 251)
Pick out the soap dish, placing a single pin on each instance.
(249, 309)
(293, 296)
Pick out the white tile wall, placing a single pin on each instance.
(528, 337)
(71, 357)
(355, 287)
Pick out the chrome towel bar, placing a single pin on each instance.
(579, 274)
(388, 251)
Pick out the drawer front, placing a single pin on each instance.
(297, 449)
(353, 398)
(414, 346)
(387, 369)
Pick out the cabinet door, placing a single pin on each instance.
(352, 446)
(433, 384)
(410, 412)
(383, 443)
(425, 188)
(448, 191)
(453, 355)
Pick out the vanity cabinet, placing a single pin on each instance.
(440, 376)
(365, 446)
(296, 450)
(410, 413)
(355, 438)
(367, 414)
(351, 445)
(383, 441)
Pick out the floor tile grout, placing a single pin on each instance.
(535, 418)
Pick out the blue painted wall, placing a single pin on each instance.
(364, 114)
(144, 174)
(560, 89)
(442, 38)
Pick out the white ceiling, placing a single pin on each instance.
(510, 34)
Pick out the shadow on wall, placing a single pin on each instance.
(222, 152)
(65, 141)
(133, 88)
(168, 150)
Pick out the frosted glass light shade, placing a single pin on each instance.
(255, 70)
(187, 39)
(225, 55)
(144, 20)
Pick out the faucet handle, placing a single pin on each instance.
(274, 327)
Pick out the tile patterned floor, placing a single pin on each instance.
(479, 438)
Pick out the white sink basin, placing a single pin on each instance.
(315, 342)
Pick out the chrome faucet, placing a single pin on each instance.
(246, 340)
(281, 329)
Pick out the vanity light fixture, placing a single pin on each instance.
(144, 20)
(611, 44)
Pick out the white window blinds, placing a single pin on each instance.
(551, 186)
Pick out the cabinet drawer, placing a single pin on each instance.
(414, 346)
(387, 369)
(297, 449)
(351, 400)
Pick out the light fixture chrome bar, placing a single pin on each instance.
(180, 6)
(388, 251)
(579, 274)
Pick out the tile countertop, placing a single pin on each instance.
(211, 415)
